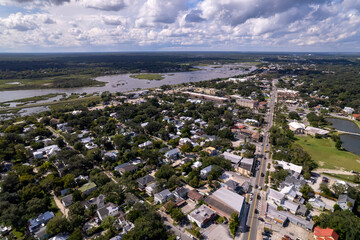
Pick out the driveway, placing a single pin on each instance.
(63, 210)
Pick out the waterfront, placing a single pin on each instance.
(124, 83)
(350, 142)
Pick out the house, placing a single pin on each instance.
(202, 215)
(290, 192)
(349, 110)
(317, 203)
(233, 186)
(41, 220)
(290, 206)
(48, 151)
(126, 167)
(145, 144)
(67, 200)
(109, 209)
(196, 164)
(297, 128)
(345, 202)
(87, 188)
(195, 195)
(276, 197)
(205, 172)
(325, 234)
(162, 196)
(291, 180)
(211, 151)
(150, 190)
(226, 202)
(111, 154)
(181, 192)
(99, 202)
(60, 236)
(173, 154)
(143, 182)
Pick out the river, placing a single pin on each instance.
(124, 83)
(350, 142)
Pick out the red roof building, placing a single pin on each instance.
(325, 234)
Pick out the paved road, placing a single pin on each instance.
(176, 230)
(260, 204)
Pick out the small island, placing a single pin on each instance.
(148, 76)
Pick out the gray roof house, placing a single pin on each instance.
(162, 196)
(99, 201)
(181, 192)
(43, 218)
(317, 203)
(67, 200)
(291, 180)
(205, 172)
(109, 209)
(173, 154)
(144, 181)
(345, 202)
(233, 186)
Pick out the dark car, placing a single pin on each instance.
(258, 197)
(256, 211)
(261, 219)
(262, 174)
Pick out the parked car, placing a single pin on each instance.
(325, 179)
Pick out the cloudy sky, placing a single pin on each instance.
(179, 25)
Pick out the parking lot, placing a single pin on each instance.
(188, 207)
(217, 231)
(292, 230)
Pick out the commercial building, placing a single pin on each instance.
(244, 102)
(297, 128)
(206, 97)
(202, 215)
(226, 202)
(313, 131)
(286, 93)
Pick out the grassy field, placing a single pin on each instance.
(148, 76)
(326, 155)
(347, 178)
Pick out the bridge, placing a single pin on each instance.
(351, 133)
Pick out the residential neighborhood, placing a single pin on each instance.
(186, 162)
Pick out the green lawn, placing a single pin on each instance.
(148, 76)
(347, 178)
(326, 155)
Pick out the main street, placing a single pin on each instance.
(257, 208)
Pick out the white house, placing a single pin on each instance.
(109, 209)
(162, 196)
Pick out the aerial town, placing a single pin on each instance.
(204, 160)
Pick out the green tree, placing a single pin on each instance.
(57, 224)
(234, 223)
